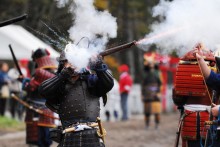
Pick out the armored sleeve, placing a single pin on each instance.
(39, 76)
(54, 86)
(101, 83)
(105, 82)
(51, 89)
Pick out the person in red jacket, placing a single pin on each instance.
(125, 83)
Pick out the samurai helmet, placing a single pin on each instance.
(42, 59)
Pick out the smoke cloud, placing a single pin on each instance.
(91, 31)
(186, 23)
(78, 57)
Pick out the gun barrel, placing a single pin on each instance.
(31, 107)
(15, 60)
(117, 48)
(13, 20)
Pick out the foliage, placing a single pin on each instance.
(57, 18)
(133, 19)
(101, 4)
(113, 65)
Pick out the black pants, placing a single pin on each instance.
(2, 106)
(15, 107)
(44, 138)
(12, 106)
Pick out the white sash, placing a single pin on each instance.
(197, 107)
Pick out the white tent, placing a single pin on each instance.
(22, 42)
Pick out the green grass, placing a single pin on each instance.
(9, 124)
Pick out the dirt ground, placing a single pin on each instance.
(130, 133)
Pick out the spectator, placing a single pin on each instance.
(125, 83)
(4, 81)
(151, 93)
(24, 67)
(15, 87)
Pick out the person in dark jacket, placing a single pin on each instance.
(74, 95)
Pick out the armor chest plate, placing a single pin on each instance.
(189, 83)
(77, 104)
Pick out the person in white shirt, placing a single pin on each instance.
(15, 86)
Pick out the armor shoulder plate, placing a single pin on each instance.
(42, 75)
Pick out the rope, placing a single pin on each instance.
(204, 81)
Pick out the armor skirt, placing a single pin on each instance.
(193, 127)
(86, 138)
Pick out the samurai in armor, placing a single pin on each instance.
(151, 94)
(74, 95)
(193, 97)
(37, 125)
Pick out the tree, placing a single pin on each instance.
(134, 18)
(58, 19)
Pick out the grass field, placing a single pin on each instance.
(9, 124)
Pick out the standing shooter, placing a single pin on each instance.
(74, 94)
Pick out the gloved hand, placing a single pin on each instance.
(68, 72)
(25, 83)
(96, 63)
(20, 78)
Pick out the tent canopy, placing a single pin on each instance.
(22, 42)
